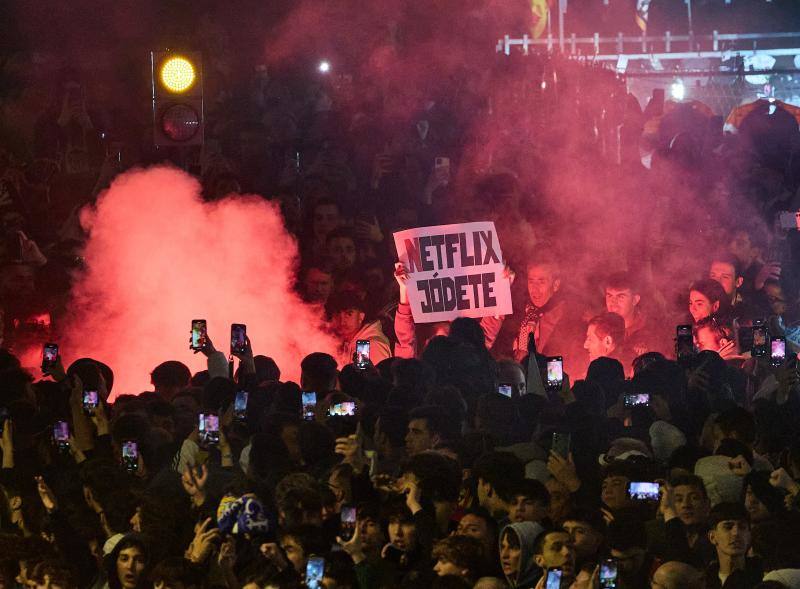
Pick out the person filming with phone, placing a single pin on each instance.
(348, 325)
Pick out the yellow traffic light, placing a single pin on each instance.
(177, 74)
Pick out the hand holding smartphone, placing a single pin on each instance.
(309, 400)
(199, 337)
(130, 456)
(49, 357)
(362, 354)
(315, 570)
(349, 516)
(553, 579)
(561, 444)
(240, 405)
(208, 428)
(61, 435)
(238, 338)
(555, 373)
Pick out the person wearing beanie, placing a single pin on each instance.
(127, 563)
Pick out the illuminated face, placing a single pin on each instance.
(524, 509)
(584, 537)
(542, 284)
(348, 322)
(622, 302)
(419, 438)
(758, 511)
(294, 553)
(615, 492)
(342, 253)
(474, 527)
(510, 553)
(557, 552)
(445, 567)
(597, 346)
(318, 285)
(130, 564)
(706, 339)
(690, 504)
(700, 306)
(731, 537)
(725, 274)
(326, 218)
(402, 535)
(776, 298)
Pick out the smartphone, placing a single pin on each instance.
(778, 355)
(684, 342)
(759, 348)
(553, 580)
(309, 405)
(608, 574)
(238, 338)
(61, 435)
(49, 357)
(362, 354)
(643, 491)
(208, 426)
(346, 409)
(130, 456)
(315, 570)
(561, 443)
(505, 389)
(634, 400)
(199, 334)
(240, 405)
(90, 401)
(3, 418)
(348, 525)
(555, 373)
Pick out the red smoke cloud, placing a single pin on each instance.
(158, 257)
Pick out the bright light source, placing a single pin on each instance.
(678, 90)
(324, 67)
(177, 74)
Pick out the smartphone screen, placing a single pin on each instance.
(634, 400)
(505, 389)
(643, 491)
(130, 455)
(348, 525)
(238, 338)
(61, 434)
(362, 353)
(684, 342)
(49, 356)
(555, 372)
(346, 409)
(778, 355)
(199, 334)
(240, 405)
(90, 401)
(553, 580)
(208, 426)
(315, 570)
(759, 348)
(309, 405)
(608, 574)
(561, 443)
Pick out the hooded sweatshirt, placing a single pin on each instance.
(379, 348)
(529, 573)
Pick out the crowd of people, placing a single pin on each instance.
(667, 456)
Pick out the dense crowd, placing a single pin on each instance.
(451, 455)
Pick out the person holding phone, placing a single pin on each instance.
(347, 315)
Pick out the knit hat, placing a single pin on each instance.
(245, 515)
(623, 449)
(665, 438)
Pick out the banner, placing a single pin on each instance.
(454, 271)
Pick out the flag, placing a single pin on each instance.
(642, 10)
(540, 10)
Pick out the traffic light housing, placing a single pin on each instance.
(177, 81)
